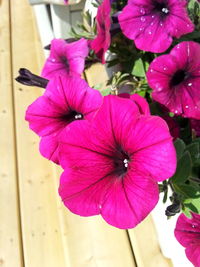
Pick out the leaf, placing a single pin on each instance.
(180, 147)
(186, 211)
(194, 151)
(105, 91)
(138, 69)
(188, 191)
(183, 169)
(193, 204)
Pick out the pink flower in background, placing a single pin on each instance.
(175, 79)
(153, 23)
(102, 42)
(65, 99)
(65, 58)
(187, 232)
(173, 125)
(140, 101)
(112, 164)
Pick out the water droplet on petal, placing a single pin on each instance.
(176, 111)
(100, 207)
(149, 32)
(164, 68)
(152, 23)
(161, 24)
(153, 16)
(142, 11)
(186, 106)
(53, 60)
(189, 84)
(141, 29)
(194, 226)
(142, 19)
(159, 89)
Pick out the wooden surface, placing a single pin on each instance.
(35, 228)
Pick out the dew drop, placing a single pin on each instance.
(161, 24)
(141, 29)
(142, 11)
(53, 60)
(151, 70)
(100, 207)
(176, 111)
(159, 89)
(194, 226)
(153, 16)
(150, 32)
(164, 68)
(142, 19)
(186, 106)
(189, 84)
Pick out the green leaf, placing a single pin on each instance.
(183, 169)
(194, 151)
(186, 211)
(187, 191)
(138, 69)
(180, 147)
(193, 204)
(105, 92)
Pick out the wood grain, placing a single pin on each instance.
(10, 232)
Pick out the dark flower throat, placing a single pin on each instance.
(178, 77)
(72, 116)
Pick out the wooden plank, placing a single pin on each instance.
(10, 242)
(39, 214)
(90, 241)
(146, 247)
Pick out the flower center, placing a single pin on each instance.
(64, 60)
(72, 116)
(121, 162)
(178, 77)
(161, 8)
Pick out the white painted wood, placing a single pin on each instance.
(44, 26)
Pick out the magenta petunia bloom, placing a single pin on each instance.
(102, 41)
(65, 58)
(112, 165)
(152, 24)
(187, 232)
(65, 100)
(175, 79)
(140, 101)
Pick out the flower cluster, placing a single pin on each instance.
(122, 145)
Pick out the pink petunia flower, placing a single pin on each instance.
(102, 41)
(65, 100)
(121, 155)
(187, 232)
(175, 79)
(153, 23)
(65, 58)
